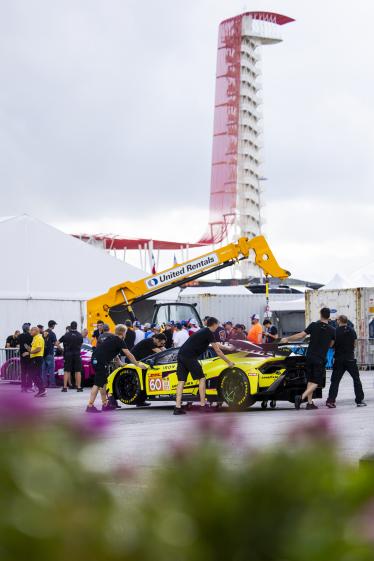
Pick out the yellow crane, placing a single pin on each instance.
(110, 307)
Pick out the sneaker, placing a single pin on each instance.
(108, 407)
(311, 406)
(42, 393)
(92, 409)
(64, 390)
(298, 400)
(79, 389)
(330, 404)
(144, 404)
(362, 404)
(179, 411)
(204, 409)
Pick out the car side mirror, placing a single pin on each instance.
(151, 363)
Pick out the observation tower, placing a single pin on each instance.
(235, 194)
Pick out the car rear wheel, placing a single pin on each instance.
(127, 387)
(234, 389)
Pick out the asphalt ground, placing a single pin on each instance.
(140, 437)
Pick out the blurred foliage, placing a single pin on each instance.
(297, 502)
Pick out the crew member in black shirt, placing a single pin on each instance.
(108, 349)
(322, 337)
(24, 341)
(72, 341)
(188, 361)
(345, 362)
(150, 346)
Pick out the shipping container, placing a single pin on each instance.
(238, 308)
(355, 303)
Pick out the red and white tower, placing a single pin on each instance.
(235, 195)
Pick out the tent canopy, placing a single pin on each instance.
(42, 263)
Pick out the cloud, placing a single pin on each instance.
(106, 115)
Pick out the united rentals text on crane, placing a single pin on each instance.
(183, 270)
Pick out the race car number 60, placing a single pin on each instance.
(155, 384)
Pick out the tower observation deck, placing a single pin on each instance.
(235, 194)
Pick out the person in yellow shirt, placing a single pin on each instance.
(36, 352)
(255, 332)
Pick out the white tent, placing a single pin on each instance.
(337, 282)
(47, 274)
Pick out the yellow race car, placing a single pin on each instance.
(258, 375)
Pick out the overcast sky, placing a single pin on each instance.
(106, 116)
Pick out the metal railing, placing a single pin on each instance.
(10, 365)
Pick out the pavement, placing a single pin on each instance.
(141, 436)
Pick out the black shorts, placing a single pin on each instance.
(188, 365)
(315, 371)
(101, 374)
(72, 362)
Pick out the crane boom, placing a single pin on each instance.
(127, 293)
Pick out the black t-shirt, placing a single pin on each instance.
(197, 343)
(108, 349)
(144, 348)
(72, 341)
(12, 341)
(130, 338)
(24, 339)
(345, 342)
(321, 336)
(273, 331)
(49, 343)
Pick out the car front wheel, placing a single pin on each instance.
(127, 387)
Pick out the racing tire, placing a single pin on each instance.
(234, 389)
(127, 387)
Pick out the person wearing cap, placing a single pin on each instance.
(345, 361)
(139, 333)
(255, 332)
(147, 330)
(180, 335)
(130, 334)
(322, 337)
(192, 326)
(72, 341)
(48, 368)
(25, 340)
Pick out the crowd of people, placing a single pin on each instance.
(37, 347)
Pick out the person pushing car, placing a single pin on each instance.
(345, 361)
(322, 337)
(188, 361)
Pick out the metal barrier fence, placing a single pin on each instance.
(365, 354)
(10, 365)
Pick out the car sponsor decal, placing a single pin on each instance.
(155, 384)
